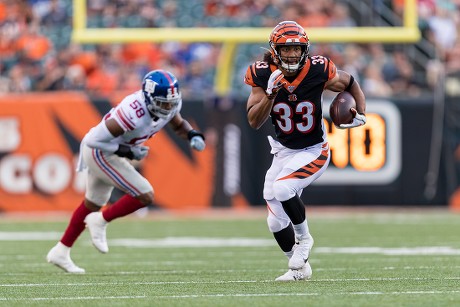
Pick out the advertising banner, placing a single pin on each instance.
(383, 163)
(39, 145)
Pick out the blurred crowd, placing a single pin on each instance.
(36, 53)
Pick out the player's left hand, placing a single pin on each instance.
(139, 152)
(358, 120)
(197, 143)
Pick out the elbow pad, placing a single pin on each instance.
(99, 137)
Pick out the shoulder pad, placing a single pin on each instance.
(323, 65)
(257, 74)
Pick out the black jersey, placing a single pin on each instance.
(297, 112)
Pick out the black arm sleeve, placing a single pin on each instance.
(350, 84)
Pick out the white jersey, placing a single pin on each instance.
(132, 115)
(134, 118)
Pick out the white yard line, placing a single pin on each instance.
(146, 283)
(231, 295)
(203, 242)
(72, 298)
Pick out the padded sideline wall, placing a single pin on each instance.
(383, 163)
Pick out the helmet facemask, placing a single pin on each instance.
(288, 63)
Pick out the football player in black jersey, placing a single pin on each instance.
(288, 86)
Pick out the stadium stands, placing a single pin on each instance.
(36, 53)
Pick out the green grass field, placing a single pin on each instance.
(360, 258)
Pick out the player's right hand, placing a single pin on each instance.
(274, 84)
(139, 152)
(197, 143)
(358, 120)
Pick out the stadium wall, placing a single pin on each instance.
(383, 163)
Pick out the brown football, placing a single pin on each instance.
(339, 110)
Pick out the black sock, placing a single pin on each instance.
(285, 238)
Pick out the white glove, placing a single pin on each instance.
(139, 152)
(358, 120)
(274, 84)
(197, 143)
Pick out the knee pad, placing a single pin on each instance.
(276, 224)
(282, 191)
(268, 192)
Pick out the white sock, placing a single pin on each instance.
(289, 254)
(301, 230)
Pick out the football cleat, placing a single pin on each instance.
(295, 275)
(97, 230)
(59, 255)
(301, 253)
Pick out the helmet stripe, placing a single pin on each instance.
(170, 80)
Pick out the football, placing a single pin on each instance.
(339, 110)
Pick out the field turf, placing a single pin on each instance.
(360, 258)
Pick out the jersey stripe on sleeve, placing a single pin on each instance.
(124, 120)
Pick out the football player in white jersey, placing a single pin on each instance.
(104, 154)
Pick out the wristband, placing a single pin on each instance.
(193, 133)
(271, 96)
(124, 151)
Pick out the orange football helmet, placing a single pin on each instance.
(289, 33)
